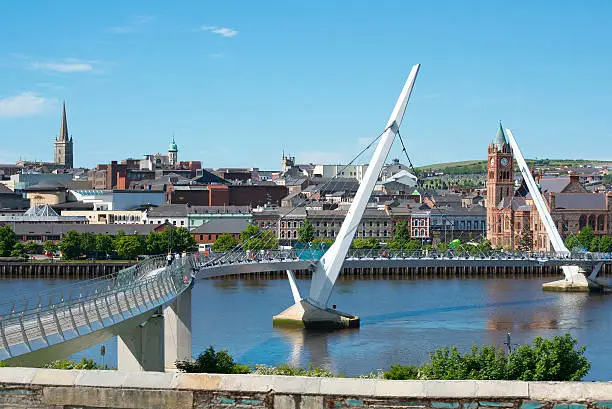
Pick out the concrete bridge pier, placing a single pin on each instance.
(177, 330)
(141, 348)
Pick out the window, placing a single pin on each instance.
(182, 222)
(283, 234)
(209, 237)
(201, 237)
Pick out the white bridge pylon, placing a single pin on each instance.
(573, 275)
(327, 269)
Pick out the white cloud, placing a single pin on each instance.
(64, 66)
(24, 104)
(223, 31)
(134, 25)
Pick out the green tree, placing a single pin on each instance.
(180, 239)
(225, 242)
(605, 244)
(401, 233)
(573, 244)
(249, 233)
(306, 233)
(156, 243)
(129, 247)
(525, 239)
(8, 238)
(211, 361)
(595, 244)
(252, 238)
(31, 248)
(104, 244)
(18, 250)
(70, 245)
(88, 243)
(50, 246)
(413, 245)
(585, 237)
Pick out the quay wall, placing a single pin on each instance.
(400, 273)
(34, 388)
(16, 269)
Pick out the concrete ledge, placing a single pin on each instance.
(78, 387)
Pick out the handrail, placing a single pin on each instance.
(132, 291)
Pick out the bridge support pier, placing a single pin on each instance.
(576, 279)
(177, 330)
(141, 348)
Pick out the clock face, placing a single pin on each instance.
(492, 162)
(504, 161)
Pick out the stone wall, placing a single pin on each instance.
(33, 388)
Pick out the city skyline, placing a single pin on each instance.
(237, 85)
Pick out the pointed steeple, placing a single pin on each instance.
(63, 136)
(501, 140)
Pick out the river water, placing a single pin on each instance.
(401, 320)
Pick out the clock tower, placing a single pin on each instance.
(500, 180)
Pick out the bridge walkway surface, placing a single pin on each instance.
(89, 312)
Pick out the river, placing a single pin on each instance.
(401, 320)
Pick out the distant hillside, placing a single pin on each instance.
(480, 166)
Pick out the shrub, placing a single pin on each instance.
(289, 370)
(211, 361)
(400, 372)
(3, 364)
(555, 359)
(84, 363)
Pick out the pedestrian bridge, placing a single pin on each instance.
(244, 262)
(39, 328)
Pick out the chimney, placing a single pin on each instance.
(574, 178)
(552, 200)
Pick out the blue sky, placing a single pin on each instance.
(239, 81)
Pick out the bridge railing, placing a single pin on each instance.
(254, 256)
(99, 302)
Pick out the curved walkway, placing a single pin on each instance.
(55, 324)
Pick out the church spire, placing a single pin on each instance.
(501, 140)
(63, 136)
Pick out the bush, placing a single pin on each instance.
(3, 364)
(289, 370)
(400, 372)
(211, 361)
(555, 359)
(84, 363)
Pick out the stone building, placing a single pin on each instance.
(62, 146)
(511, 213)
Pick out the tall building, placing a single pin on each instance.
(173, 153)
(512, 218)
(62, 146)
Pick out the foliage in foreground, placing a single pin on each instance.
(84, 363)
(289, 370)
(3, 364)
(555, 359)
(211, 361)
